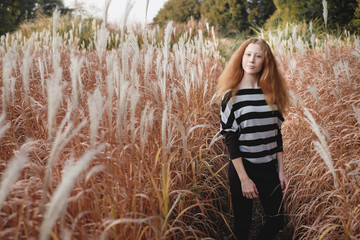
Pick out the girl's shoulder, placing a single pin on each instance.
(226, 97)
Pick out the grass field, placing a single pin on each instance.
(122, 142)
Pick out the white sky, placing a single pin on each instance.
(117, 9)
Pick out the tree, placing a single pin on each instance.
(179, 11)
(49, 6)
(260, 11)
(355, 23)
(14, 12)
(340, 12)
(229, 15)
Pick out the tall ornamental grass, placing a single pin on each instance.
(321, 139)
(122, 136)
(115, 136)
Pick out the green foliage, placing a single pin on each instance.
(260, 11)
(355, 22)
(179, 11)
(229, 15)
(49, 6)
(340, 12)
(14, 12)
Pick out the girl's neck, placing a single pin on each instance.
(249, 81)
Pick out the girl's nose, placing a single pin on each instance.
(251, 58)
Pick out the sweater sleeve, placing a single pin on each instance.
(229, 127)
(279, 139)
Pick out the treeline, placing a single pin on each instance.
(14, 12)
(237, 16)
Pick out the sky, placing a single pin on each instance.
(117, 9)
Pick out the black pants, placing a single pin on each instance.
(266, 179)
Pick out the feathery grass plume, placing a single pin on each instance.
(133, 49)
(106, 9)
(75, 74)
(125, 56)
(13, 169)
(71, 172)
(56, 17)
(294, 33)
(199, 43)
(299, 44)
(101, 38)
(3, 128)
(198, 72)
(99, 79)
(356, 52)
(312, 40)
(356, 111)
(292, 65)
(134, 99)
(128, 7)
(64, 134)
(42, 76)
(45, 64)
(320, 146)
(147, 119)
(25, 70)
(180, 126)
(216, 138)
(339, 67)
(54, 98)
(121, 105)
(180, 55)
(347, 70)
(96, 108)
(156, 85)
(55, 40)
(164, 123)
(165, 51)
(149, 56)
(325, 13)
(187, 87)
(313, 90)
(167, 128)
(146, 10)
(8, 64)
(112, 77)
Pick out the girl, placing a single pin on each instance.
(254, 97)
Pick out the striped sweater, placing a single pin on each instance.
(251, 128)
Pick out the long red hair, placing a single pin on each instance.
(271, 80)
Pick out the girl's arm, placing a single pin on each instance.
(247, 185)
(282, 177)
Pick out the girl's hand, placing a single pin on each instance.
(249, 189)
(283, 181)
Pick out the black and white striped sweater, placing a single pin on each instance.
(251, 128)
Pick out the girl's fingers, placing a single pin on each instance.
(283, 186)
(251, 195)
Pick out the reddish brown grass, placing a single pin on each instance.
(174, 186)
(317, 208)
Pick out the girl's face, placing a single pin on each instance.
(253, 59)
